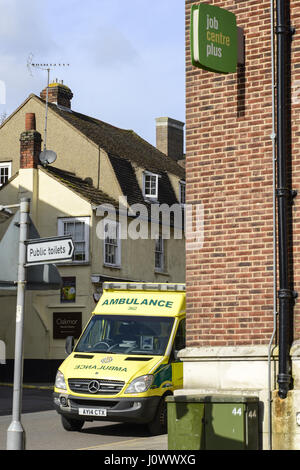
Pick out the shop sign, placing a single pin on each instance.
(214, 38)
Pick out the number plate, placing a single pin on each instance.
(92, 411)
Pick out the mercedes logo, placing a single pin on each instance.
(106, 359)
(94, 386)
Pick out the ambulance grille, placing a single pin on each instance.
(96, 386)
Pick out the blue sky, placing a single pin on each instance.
(126, 57)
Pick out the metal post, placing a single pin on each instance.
(46, 112)
(15, 432)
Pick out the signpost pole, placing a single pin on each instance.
(16, 432)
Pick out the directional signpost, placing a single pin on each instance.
(49, 250)
(32, 252)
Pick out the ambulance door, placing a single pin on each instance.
(177, 365)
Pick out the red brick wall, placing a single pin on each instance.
(229, 170)
(30, 148)
(295, 137)
(59, 94)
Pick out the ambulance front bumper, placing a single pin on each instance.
(134, 410)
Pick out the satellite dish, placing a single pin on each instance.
(47, 157)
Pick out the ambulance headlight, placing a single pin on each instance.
(60, 381)
(140, 385)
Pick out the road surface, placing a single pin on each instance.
(43, 429)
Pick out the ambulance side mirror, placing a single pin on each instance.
(69, 344)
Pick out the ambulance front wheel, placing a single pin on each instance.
(71, 424)
(159, 423)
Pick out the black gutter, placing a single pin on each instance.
(284, 196)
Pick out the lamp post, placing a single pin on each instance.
(15, 432)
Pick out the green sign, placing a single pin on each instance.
(213, 38)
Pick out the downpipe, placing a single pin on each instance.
(284, 198)
(273, 138)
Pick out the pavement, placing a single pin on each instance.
(32, 397)
(140, 443)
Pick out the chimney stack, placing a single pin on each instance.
(30, 143)
(30, 124)
(58, 94)
(169, 137)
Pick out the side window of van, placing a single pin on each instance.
(180, 336)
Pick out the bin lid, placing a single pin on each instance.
(212, 399)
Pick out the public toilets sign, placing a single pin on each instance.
(213, 38)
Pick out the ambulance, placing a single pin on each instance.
(125, 362)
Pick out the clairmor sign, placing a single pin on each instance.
(214, 38)
(49, 250)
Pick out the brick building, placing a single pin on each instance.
(232, 331)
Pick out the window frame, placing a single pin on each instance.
(182, 185)
(161, 254)
(8, 165)
(148, 174)
(117, 263)
(61, 221)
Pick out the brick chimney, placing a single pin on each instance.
(30, 143)
(169, 137)
(58, 93)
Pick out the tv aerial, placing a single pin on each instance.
(46, 156)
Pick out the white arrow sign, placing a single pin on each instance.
(49, 250)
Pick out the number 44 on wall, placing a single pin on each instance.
(238, 412)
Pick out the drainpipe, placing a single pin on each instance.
(285, 294)
(273, 137)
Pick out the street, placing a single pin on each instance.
(44, 431)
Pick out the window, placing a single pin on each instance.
(150, 185)
(78, 229)
(112, 243)
(180, 336)
(179, 342)
(182, 192)
(159, 254)
(126, 334)
(5, 172)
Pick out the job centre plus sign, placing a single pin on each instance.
(213, 38)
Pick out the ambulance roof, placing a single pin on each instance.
(150, 299)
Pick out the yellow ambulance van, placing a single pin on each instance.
(125, 361)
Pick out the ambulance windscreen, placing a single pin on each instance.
(124, 334)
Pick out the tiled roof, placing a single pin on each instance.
(120, 142)
(82, 187)
(125, 173)
(95, 196)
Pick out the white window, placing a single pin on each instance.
(112, 243)
(182, 192)
(5, 172)
(159, 254)
(150, 185)
(78, 229)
